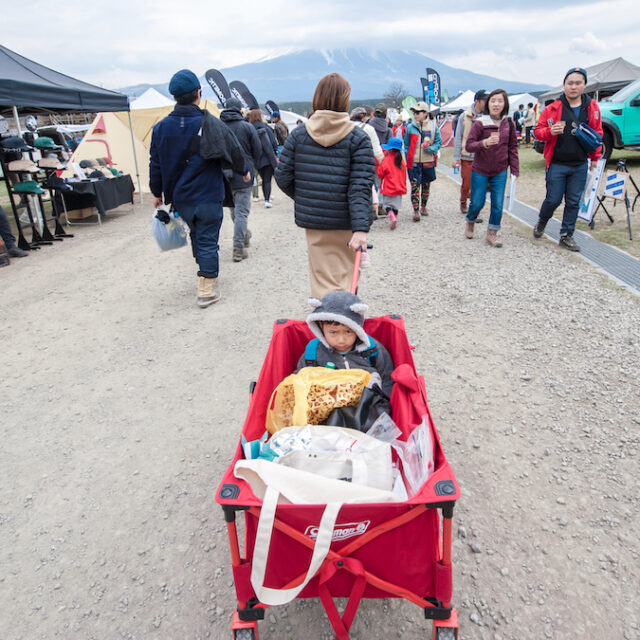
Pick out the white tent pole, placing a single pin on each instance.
(15, 115)
(135, 158)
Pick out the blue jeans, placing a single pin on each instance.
(204, 221)
(564, 180)
(479, 186)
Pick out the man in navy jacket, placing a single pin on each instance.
(179, 175)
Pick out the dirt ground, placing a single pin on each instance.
(121, 404)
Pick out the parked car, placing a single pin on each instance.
(621, 119)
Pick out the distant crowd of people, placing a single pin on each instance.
(343, 170)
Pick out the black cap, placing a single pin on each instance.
(15, 143)
(481, 94)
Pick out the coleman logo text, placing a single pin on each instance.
(341, 531)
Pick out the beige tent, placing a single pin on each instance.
(109, 137)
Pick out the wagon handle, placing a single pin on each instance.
(356, 268)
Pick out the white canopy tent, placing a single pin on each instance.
(151, 99)
(459, 103)
(521, 98)
(290, 118)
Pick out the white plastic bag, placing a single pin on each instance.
(417, 456)
(171, 235)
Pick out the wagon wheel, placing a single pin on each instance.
(245, 634)
(446, 633)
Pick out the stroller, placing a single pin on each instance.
(382, 550)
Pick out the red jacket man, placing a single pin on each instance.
(567, 162)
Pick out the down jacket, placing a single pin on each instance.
(327, 167)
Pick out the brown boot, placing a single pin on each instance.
(492, 238)
(207, 293)
(468, 230)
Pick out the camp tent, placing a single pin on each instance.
(521, 98)
(151, 99)
(606, 77)
(109, 137)
(459, 103)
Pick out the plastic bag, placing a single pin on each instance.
(416, 455)
(169, 235)
(309, 396)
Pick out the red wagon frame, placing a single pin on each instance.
(387, 550)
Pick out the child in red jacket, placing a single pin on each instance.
(393, 173)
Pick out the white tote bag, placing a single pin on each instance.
(274, 482)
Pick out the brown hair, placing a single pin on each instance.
(332, 94)
(255, 115)
(503, 93)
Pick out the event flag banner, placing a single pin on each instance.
(218, 85)
(589, 197)
(247, 97)
(409, 102)
(433, 78)
(425, 89)
(271, 106)
(615, 185)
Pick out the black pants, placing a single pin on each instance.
(5, 231)
(266, 173)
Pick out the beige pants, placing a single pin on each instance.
(330, 261)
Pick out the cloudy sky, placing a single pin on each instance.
(124, 42)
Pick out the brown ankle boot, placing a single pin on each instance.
(492, 238)
(469, 228)
(207, 293)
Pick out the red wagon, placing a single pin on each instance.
(385, 550)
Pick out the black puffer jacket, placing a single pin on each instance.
(330, 185)
(248, 139)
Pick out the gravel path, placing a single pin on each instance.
(121, 405)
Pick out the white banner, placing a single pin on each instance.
(589, 196)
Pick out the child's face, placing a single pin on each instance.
(339, 337)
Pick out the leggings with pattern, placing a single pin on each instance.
(415, 194)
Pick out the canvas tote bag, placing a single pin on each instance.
(274, 482)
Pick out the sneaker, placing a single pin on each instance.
(464, 207)
(17, 252)
(267, 204)
(239, 254)
(569, 243)
(247, 238)
(423, 211)
(393, 220)
(255, 198)
(416, 216)
(381, 211)
(538, 230)
(479, 220)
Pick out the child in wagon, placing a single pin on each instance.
(341, 342)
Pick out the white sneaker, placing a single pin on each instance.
(267, 203)
(255, 198)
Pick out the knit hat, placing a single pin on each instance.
(576, 70)
(183, 81)
(233, 104)
(339, 306)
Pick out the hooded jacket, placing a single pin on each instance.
(490, 161)
(553, 113)
(381, 127)
(248, 139)
(327, 167)
(462, 134)
(347, 309)
(394, 180)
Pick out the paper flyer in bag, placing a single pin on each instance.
(586, 207)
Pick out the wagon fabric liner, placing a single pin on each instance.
(383, 550)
